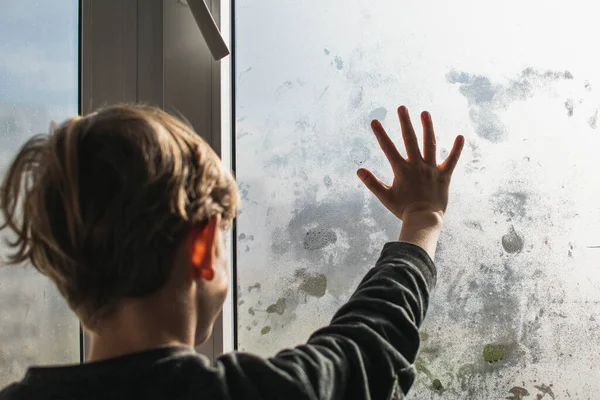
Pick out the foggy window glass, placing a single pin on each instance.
(517, 309)
(38, 83)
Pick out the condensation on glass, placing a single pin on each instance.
(517, 309)
(38, 83)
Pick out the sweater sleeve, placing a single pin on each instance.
(366, 352)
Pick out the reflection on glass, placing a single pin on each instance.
(517, 307)
(38, 83)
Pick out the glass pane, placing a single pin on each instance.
(516, 307)
(38, 83)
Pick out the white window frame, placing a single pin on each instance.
(152, 51)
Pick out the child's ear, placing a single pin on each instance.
(203, 241)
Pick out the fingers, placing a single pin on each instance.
(388, 147)
(378, 188)
(429, 145)
(408, 134)
(448, 166)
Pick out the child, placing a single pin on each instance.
(125, 209)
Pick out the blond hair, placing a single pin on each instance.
(101, 204)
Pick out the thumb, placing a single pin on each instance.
(372, 183)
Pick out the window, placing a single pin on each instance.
(38, 83)
(516, 310)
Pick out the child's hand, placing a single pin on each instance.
(420, 185)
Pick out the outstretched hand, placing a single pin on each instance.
(420, 184)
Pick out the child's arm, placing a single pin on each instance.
(368, 350)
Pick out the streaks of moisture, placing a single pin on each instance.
(342, 212)
(495, 292)
(242, 134)
(474, 163)
(265, 330)
(444, 153)
(478, 89)
(315, 226)
(546, 390)
(485, 98)
(512, 242)
(357, 96)
(593, 120)
(244, 72)
(511, 204)
(255, 286)
(569, 106)
(323, 92)
(302, 125)
(279, 313)
(359, 153)
(379, 113)
(277, 161)
(278, 307)
(570, 252)
(517, 393)
(488, 124)
(244, 189)
(437, 385)
(493, 353)
(474, 225)
(422, 368)
(465, 376)
(312, 284)
(317, 239)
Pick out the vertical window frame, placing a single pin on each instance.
(123, 59)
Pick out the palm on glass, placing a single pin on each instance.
(420, 184)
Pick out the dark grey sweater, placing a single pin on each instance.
(366, 352)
